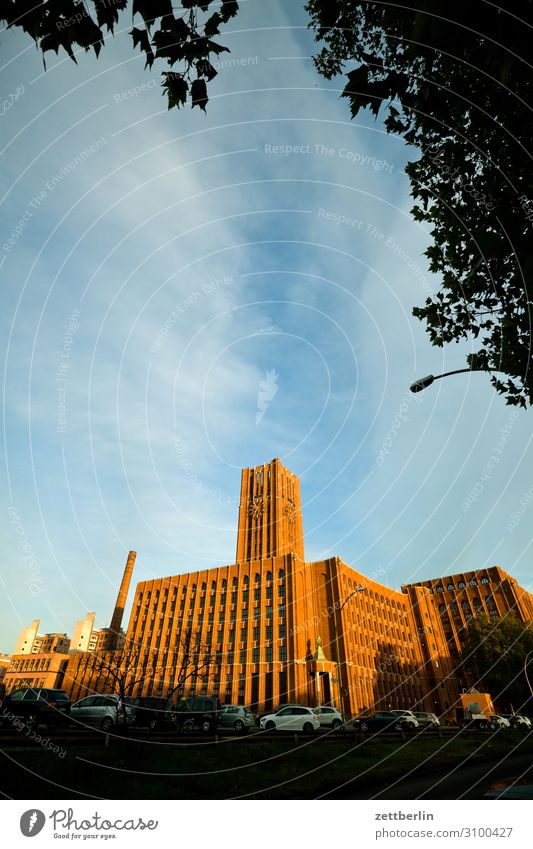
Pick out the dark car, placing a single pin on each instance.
(153, 712)
(34, 705)
(197, 713)
(382, 721)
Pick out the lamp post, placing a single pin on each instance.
(336, 641)
(525, 671)
(424, 382)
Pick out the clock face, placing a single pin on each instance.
(290, 512)
(256, 507)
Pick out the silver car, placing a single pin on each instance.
(106, 711)
(237, 717)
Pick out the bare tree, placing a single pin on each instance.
(194, 662)
(124, 671)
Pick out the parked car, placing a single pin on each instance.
(329, 717)
(197, 713)
(384, 720)
(153, 712)
(260, 716)
(237, 717)
(33, 706)
(516, 720)
(427, 720)
(408, 715)
(105, 710)
(296, 718)
(497, 721)
(477, 721)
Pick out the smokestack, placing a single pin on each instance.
(118, 613)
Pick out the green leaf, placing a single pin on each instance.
(140, 37)
(176, 87)
(199, 94)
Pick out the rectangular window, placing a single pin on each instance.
(269, 654)
(245, 595)
(257, 594)
(268, 612)
(234, 598)
(281, 611)
(255, 655)
(282, 631)
(244, 635)
(269, 591)
(256, 634)
(242, 656)
(268, 632)
(283, 653)
(281, 590)
(257, 613)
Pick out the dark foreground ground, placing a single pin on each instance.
(451, 766)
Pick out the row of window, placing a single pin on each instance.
(29, 665)
(224, 584)
(465, 604)
(461, 585)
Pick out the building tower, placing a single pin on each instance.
(118, 613)
(270, 513)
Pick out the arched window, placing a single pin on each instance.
(281, 575)
(224, 583)
(245, 579)
(442, 608)
(234, 582)
(485, 581)
(465, 605)
(473, 582)
(450, 587)
(204, 587)
(440, 589)
(269, 576)
(476, 602)
(461, 585)
(257, 578)
(213, 585)
(193, 588)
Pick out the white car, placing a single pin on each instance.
(329, 717)
(517, 721)
(408, 715)
(295, 718)
(497, 721)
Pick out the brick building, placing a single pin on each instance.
(277, 628)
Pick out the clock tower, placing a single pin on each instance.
(270, 513)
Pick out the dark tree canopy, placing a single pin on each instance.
(455, 80)
(180, 35)
(494, 653)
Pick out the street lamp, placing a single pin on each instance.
(424, 382)
(336, 640)
(525, 671)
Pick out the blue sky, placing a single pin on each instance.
(169, 266)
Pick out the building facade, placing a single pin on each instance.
(273, 627)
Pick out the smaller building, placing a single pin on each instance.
(41, 669)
